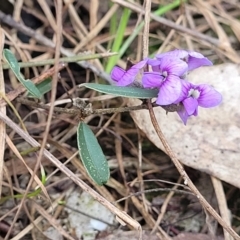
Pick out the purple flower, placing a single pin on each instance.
(193, 59)
(193, 96)
(166, 76)
(125, 78)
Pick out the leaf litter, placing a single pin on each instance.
(209, 144)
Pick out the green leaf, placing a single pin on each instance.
(32, 89)
(131, 92)
(92, 155)
(43, 87)
(12, 61)
(13, 64)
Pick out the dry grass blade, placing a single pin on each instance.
(148, 218)
(225, 45)
(168, 38)
(29, 227)
(164, 206)
(52, 221)
(3, 111)
(94, 7)
(233, 23)
(37, 180)
(48, 13)
(222, 203)
(146, 28)
(97, 28)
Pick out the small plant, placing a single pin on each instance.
(166, 82)
(168, 75)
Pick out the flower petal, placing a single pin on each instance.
(152, 80)
(183, 115)
(173, 66)
(186, 86)
(209, 97)
(155, 64)
(125, 78)
(197, 60)
(196, 112)
(134, 70)
(117, 73)
(169, 91)
(140, 64)
(190, 104)
(177, 53)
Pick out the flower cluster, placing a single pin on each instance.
(169, 71)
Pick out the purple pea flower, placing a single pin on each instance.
(166, 76)
(127, 77)
(192, 58)
(192, 96)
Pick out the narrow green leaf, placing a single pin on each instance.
(12, 61)
(131, 92)
(13, 64)
(32, 89)
(92, 155)
(43, 87)
(118, 39)
(43, 175)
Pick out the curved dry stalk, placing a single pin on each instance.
(186, 178)
(222, 203)
(147, 9)
(2, 110)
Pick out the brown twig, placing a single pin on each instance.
(81, 113)
(186, 178)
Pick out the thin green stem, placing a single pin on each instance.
(77, 58)
(20, 196)
(112, 28)
(118, 39)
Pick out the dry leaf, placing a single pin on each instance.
(211, 141)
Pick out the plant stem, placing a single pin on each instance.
(187, 180)
(82, 113)
(76, 58)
